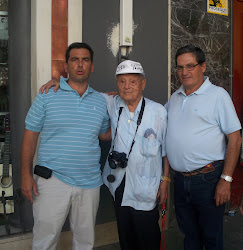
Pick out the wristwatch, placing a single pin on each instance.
(226, 178)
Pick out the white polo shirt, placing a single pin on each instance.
(197, 125)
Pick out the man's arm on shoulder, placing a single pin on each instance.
(28, 184)
(52, 83)
(222, 193)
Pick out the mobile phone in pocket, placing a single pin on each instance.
(43, 172)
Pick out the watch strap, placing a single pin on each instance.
(165, 178)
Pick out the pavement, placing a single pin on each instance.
(233, 227)
(233, 236)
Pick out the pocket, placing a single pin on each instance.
(149, 147)
(145, 189)
(212, 177)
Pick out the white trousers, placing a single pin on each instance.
(51, 207)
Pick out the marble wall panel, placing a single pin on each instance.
(191, 24)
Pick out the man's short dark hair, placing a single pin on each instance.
(197, 52)
(79, 46)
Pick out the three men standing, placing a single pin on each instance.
(200, 116)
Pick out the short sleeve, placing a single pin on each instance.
(106, 120)
(35, 118)
(106, 123)
(226, 114)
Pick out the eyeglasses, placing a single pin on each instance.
(188, 67)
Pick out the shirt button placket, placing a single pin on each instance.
(183, 104)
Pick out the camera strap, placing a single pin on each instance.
(120, 111)
(140, 116)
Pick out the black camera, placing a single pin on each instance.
(117, 160)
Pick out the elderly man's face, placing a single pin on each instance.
(130, 87)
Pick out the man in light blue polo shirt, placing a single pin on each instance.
(200, 116)
(68, 172)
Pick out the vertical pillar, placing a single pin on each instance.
(59, 32)
(20, 90)
(40, 44)
(75, 19)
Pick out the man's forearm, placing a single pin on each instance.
(166, 167)
(27, 151)
(232, 153)
(28, 185)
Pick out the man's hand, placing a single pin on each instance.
(162, 192)
(48, 85)
(222, 192)
(28, 185)
(113, 93)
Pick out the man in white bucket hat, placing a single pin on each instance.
(134, 172)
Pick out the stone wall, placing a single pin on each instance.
(191, 24)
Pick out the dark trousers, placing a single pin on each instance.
(138, 230)
(197, 214)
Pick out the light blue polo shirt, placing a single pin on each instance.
(145, 161)
(197, 125)
(70, 126)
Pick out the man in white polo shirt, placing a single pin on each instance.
(200, 117)
(68, 175)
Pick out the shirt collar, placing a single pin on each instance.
(64, 85)
(123, 104)
(200, 91)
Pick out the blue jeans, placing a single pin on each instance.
(198, 217)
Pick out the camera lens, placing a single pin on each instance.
(112, 164)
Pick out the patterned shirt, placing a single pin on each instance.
(70, 126)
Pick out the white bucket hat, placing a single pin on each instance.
(129, 67)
